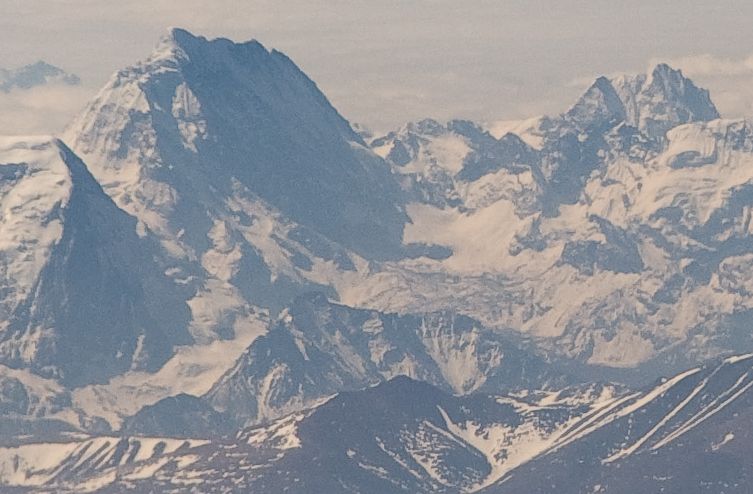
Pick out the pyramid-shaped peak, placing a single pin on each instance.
(602, 84)
(603, 89)
(666, 98)
(671, 81)
(599, 105)
(257, 121)
(676, 86)
(664, 68)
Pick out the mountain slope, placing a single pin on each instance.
(178, 416)
(33, 467)
(83, 298)
(687, 434)
(401, 435)
(664, 99)
(616, 235)
(260, 191)
(319, 348)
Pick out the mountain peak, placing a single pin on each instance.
(39, 73)
(68, 273)
(668, 79)
(600, 105)
(663, 99)
(653, 102)
(179, 35)
(254, 119)
(676, 85)
(662, 69)
(179, 38)
(602, 83)
(181, 43)
(667, 75)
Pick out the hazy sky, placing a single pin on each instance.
(385, 62)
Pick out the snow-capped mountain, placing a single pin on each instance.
(229, 252)
(201, 126)
(656, 102)
(33, 75)
(62, 465)
(443, 164)
(82, 297)
(616, 232)
(587, 230)
(257, 189)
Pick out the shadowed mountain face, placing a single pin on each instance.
(588, 229)
(690, 433)
(82, 298)
(179, 416)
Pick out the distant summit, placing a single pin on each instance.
(33, 75)
(652, 103)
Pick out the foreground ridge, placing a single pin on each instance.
(404, 434)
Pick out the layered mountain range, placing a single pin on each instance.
(212, 279)
(611, 231)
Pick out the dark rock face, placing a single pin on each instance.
(181, 416)
(13, 397)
